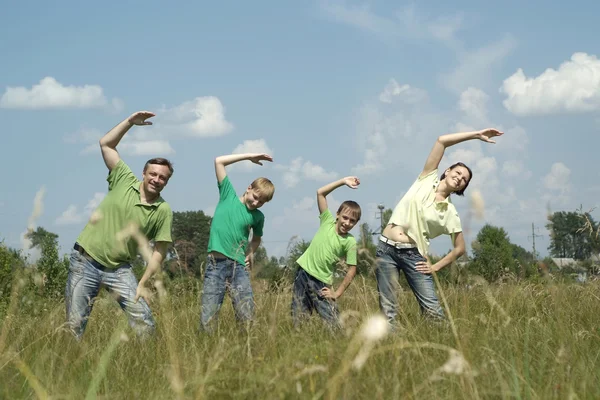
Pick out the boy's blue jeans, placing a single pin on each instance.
(307, 297)
(83, 284)
(221, 275)
(390, 261)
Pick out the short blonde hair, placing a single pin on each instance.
(353, 207)
(264, 187)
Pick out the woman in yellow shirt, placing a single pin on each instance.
(424, 213)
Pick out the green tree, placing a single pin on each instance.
(572, 235)
(191, 231)
(387, 214)
(40, 236)
(492, 253)
(54, 270)
(365, 250)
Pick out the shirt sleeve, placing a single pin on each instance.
(163, 228)
(430, 176)
(351, 252)
(257, 228)
(326, 217)
(453, 225)
(121, 175)
(226, 188)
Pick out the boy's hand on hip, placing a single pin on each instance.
(249, 261)
(142, 292)
(329, 294)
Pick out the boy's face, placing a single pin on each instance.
(345, 221)
(253, 199)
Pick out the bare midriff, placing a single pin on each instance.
(396, 233)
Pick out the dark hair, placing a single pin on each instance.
(352, 206)
(159, 161)
(459, 164)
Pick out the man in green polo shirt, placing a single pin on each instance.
(103, 253)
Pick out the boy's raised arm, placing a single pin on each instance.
(350, 181)
(222, 161)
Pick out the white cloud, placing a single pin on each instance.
(475, 66)
(382, 131)
(72, 215)
(146, 148)
(201, 117)
(574, 87)
(558, 178)
(404, 92)
(51, 94)
(251, 146)
(133, 143)
(300, 169)
(515, 169)
(301, 211)
(406, 23)
(473, 102)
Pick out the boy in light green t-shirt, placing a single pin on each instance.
(333, 241)
(230, 253)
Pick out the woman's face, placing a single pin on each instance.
(457, 178)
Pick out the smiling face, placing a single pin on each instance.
(155, 177)
(346, 220)
(457, 178)
(253, 199)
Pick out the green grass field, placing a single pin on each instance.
(512, 341)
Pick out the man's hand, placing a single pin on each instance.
(250, 260)
(257, 158)
(425, 267)
(140, 117)
(486, 135)
(352, 182)
(142, 292)
(329, 294)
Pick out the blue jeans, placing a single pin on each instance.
(390, 261)
(83, 285)
(221, 275)
(307, 297)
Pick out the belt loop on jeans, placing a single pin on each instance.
(398, 245)
(77, 247)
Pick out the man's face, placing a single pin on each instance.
(345, 221)
(155, 178)
(253, 199)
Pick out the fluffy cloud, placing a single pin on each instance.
(300, 169)
(51, 94)
(72, 215)
(405, 92)
(201, 117)
(251, 146)
(574, 87)
(474, 66)
(407, 22)
(558, 177)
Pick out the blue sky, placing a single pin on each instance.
(330, 88)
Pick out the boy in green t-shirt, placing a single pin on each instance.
(230, 254)
(312, 285)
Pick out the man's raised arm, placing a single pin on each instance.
(109, 142)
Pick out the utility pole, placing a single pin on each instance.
(533, 236)
(379, 216)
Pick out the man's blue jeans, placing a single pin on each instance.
(221, 275)
(83, 285)
(390, 261)
(307, 297)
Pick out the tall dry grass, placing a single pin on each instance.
(505, 342)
